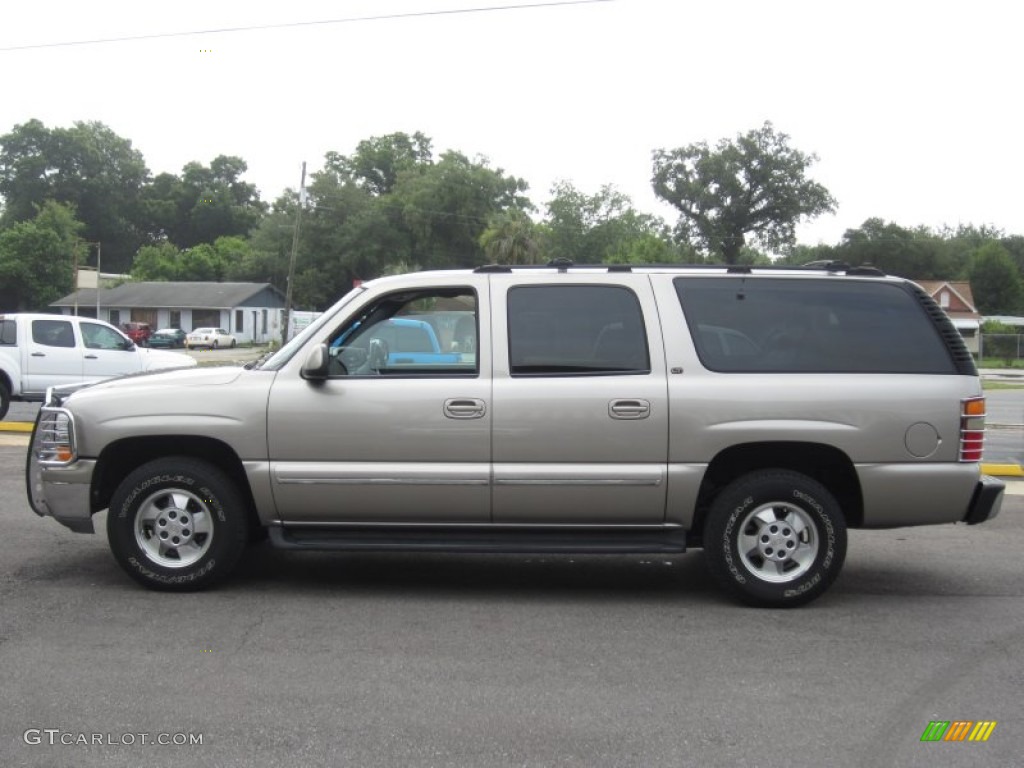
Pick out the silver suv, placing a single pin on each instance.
(757, 413)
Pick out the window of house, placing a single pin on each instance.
(239, 321)
(175, 318)
(765, 325)
(944, 299)
(560, 330)
(414, 333)
(115, 317)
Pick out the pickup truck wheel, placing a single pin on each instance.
(177, 524)
(5, 399)
(775, 538)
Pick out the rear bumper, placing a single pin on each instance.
(986, 502)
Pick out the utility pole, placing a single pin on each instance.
(291, 262)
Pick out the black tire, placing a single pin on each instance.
(775, 538)
(5, 399)
(171, 501)
(214, 345)
(233, 342)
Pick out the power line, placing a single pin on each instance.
(293, 24)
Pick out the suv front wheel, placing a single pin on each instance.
(775, 538)
(177, 524)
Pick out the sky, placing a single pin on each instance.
(913, 108)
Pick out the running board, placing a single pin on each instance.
(480, 540)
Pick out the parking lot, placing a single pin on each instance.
(329, 659)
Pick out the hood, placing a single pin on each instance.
(159, 359)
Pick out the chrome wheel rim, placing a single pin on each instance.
(778, 542)
(174, 528)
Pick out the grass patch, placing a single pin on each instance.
(988, 385)
(1000, 362)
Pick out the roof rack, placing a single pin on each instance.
(564, 265)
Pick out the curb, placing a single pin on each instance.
(15, 426)
(1003, 470)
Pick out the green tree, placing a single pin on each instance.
(603, 227)
(204, 203)
(208, 262)
(756, 185)
(446, 206)
(87, 166)
(36, 258)
(918, 254)
(378, 161)
(511, 238)
(995, 281)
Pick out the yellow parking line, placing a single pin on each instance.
(1004, 470)
(15, 426)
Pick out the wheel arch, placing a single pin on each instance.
(122, 457)
(825, 463)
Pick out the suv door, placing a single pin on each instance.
(388, 437)
(580, 401)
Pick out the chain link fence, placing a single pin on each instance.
(1008, 347)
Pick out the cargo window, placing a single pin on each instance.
(566, 330)
(413, 333)
(765, 325)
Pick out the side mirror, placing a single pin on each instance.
(315, 367)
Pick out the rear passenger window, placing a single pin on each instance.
(53, 333)
(809, 326)
(558, 330)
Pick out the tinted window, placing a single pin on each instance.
(53, 333)
(810, 326)
(8, 332)
(576, 329)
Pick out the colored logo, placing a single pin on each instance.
(958, 730)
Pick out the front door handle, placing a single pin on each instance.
(629, 409)
(38, 354)
(464, 408)
(91, 357)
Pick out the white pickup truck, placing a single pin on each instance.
(38, 351)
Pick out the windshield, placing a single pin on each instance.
(275, 360)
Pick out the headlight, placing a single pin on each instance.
(54, 441)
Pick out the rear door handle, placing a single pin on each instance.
(464, 408)
(91, 357)
(38, 354)
(629, 409)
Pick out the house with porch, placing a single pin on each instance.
(251, 312)
(955, 297)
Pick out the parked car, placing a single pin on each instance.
(137, 332)
(39, 351)
(168, 337)
(757, 413)
(209, 337)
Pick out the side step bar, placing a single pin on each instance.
(667, 540)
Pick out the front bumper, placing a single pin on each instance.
(986, 502)
(60, 492)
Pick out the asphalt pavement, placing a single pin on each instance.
(428, 660)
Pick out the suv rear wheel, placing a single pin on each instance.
(775, 538)
(177, 524)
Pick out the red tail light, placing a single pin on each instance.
(972, 429)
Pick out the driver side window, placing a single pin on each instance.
(414, 333)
